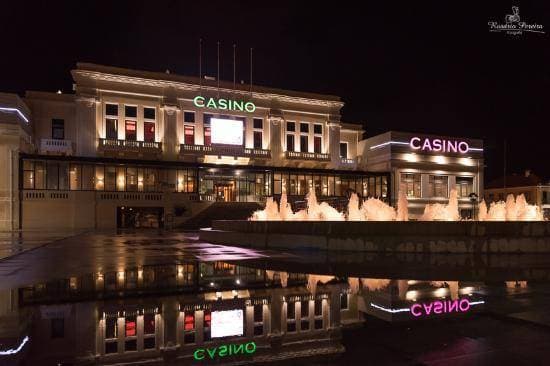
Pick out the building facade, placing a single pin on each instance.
(145, 149)
(427, 168)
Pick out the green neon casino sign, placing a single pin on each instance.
(224, 104)
(224, 350)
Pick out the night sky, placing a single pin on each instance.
(427, 66)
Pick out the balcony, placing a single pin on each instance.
(224, 150)
(56, 147)
(348, 163)
(122, 147)
(299, 155)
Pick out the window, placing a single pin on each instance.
(207, 136)
(464, 186)
(28, 174)
(304, 127)
(58, 129)
(344, 301)
(258, 319)
(189, 117)
(111, 128)
(304, 315)
(111, 121)
(149, 331)
(206, 118)
(258, 137)
(130, 111)
(111, 335)
(206, 325)
(344, 150)
(290, 317)
(290, 126)
(58, 328)
(131, 130)
(131, 179)
(110, 178)
(290, 143)
(189, 135)
(411, 184)
(438, 186)
(111, 110)
(75, 172)
(318, 129)
(304, 144)
(149, 131)
(189, 328)
(130, 329)
(317, 144)
(318, 314)
(258, 123)
(149, 113)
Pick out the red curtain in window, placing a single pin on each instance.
(149, 131)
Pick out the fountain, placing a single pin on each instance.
(442, 212)
(514, 209)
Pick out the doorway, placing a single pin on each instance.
(225, 191)
(140, 217)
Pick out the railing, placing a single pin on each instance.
(224, 150)
(299, 155)
(129, 145)
(63, 147)
(346, 161)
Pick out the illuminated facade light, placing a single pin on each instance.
(8, 109)
(13, 351)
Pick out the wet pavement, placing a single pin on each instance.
(52, 276)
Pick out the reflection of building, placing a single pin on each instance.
(427, 167)
(536, 191)
(282, 322)
(167, 146)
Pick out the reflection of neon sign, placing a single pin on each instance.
(439, 145)
(440, 307)
(224, 350)
(224, 104)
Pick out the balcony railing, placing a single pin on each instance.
(56, 147)
(346, 161)
(129, 146)
(299, 155)
(224, 150)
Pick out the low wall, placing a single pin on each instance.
(385, 236)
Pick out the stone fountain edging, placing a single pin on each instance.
(385, 236)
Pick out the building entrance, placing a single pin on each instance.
(140, 217)
(225, 191)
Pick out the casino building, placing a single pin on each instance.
(134, 148)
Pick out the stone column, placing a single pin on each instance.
(170, 141)
(334, 144)
(275, 139)
(88, 127)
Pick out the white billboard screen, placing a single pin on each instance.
(226, 323)
(226, 131)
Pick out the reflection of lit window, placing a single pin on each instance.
(130, 326)
(189, 328)
(111, 335)
(206, 325)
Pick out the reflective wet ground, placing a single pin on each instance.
(167, 298)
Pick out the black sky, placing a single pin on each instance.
(428, 66)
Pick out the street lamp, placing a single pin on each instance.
(473, 198)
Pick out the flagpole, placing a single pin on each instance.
(218, 69)
(200, 66)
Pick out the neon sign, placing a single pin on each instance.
(224, 104)
(440, 307)
(224, 350)
(439, 145)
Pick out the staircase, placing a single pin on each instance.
(221, 211)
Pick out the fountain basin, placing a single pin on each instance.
(385, 236)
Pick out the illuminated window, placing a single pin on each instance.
(317, 144)
(207, 136)
(189, 135)
(411, 184)
(75, 172)
(189, 328)
(464, 186)
(438, 186)
(58, 129)
(206, 325)
(131, 133)
(130, 326)
(149, 131)
(28, 174)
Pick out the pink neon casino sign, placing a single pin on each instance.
(439, 145)
(440, 307)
